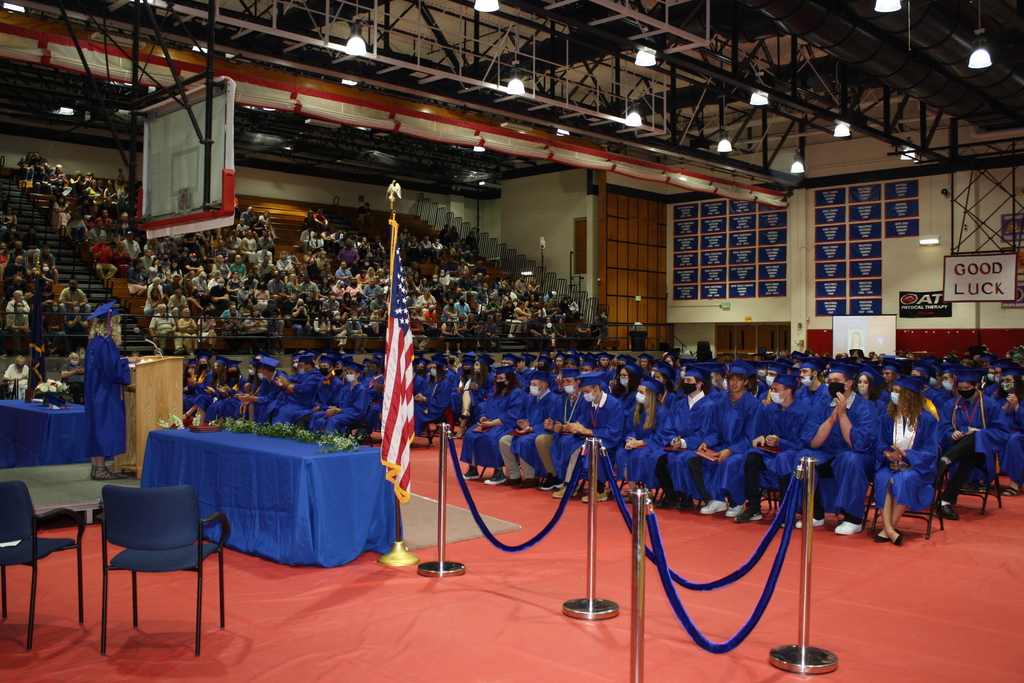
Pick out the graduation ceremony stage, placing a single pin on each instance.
(939, 610)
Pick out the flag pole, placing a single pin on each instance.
(399, 555)
(37, 339)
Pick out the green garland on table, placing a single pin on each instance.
(331, 441)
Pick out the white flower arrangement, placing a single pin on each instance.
(52, 387)
(172, 422)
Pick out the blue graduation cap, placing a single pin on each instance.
(665, 369)
(791, 381)
(439, 359)
(231, 363)
(849, 371)
(927, 369)
(670, 356)
(1012, 372)
(104, 310)
(306, 358)
(485, 359)
(468, 361)
(780, 368)
(511, 357)
(590, 378)
(528, 358)
(543, 377)
(571, 373)
(911, 382)
(204, 355)
(654, 385)
(223, 360)
(988, 357)
(604, 355)
(698, 373)
(270, 362)
(874, 375)
(354, 366)
(504, 370)
(741, 367)
(624, 358)
(969, 375)
(812, 363)
(645, 356)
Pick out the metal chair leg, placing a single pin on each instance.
(81, 609)
(135, 602)
(3, 590)
(199, 604)
(103, 617)
(32, 607)
(220, 554)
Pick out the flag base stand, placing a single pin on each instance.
(590, 610)
(398, 556)
(812, 660)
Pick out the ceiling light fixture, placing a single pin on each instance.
(561, 132)
(886, 6)
(11, 7)
(724, 146)
(478, 148)
(486, 5)
(348, 81)
(645, 56)
(842, 130)
(356, 46)
(980, 58)
(759, 98)
(907, 153)
(633, 119)
(798, 164)
(928, 239)
(515, 84)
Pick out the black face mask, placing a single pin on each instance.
(966, 394)
(836, 388)
(325, 371)
(689, 388)
(499, 386)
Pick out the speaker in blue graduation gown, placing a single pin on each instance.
(106, 374)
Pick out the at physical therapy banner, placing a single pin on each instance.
(924, 305)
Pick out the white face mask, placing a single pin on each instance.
(894, 397)
(350, 378)
(534, 391)
(863, 391)
(775, 396)
(640, 398)
(252, 371)
(806, 381)
(588, 397)
(433, 372)
(624, 381)
(762, 373)
(947, 385)
(74, 362)
(569, 389)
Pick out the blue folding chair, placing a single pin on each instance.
(18, 522)
(160, 531)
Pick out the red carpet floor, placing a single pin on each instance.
(940, 610)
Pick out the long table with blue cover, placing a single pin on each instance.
(285, 501)
(32, 434)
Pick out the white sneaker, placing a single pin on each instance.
(817, 522)
(735, 511)
(714, 507)
(849, 529)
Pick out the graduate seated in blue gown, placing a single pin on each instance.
(625, 380)
(474, 386)
(648, 430)
(871, 386)
(779, 432)
(199, 391)
(537, 449)
(601, 418)
(433, 401)
(264, 394)
(813, 389)
(1011, 393)
(527, 450)
(326, 392)
(351, 405)
(373, 373)
(842, 437)
(226, 403)
(298, 391)
(731, 431)
(690, 423)
(973, 429)
(499, 415)
(908, 450)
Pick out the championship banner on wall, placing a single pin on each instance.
(924, 305)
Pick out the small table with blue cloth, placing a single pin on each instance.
(285, 501)
(32, 434)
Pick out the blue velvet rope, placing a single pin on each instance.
(570, 488)
(787, 512)
(729, 579)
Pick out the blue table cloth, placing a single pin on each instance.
(285, 501)
(32, 434)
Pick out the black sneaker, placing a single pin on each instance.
(472, 473)
(748, 515)
(497, 478)
(946, 511)
(684, 503)
(667, 501)
(551, 482)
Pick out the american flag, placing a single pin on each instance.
(397, 410)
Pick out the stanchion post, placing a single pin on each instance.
(591, 608)
(442, 568)
(803, 658)
(641, 499)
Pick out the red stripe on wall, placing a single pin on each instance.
(937, 342)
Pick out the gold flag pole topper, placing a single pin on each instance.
(399, 555)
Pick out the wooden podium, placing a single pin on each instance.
(154, 393)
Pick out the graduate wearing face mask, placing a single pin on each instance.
(779, 430)
(227, 403)
(526, 451)
(691, 421)
(1011, 392)
(298, 391)
(351, 406)
(812, 389)
(499, 415)
(328, 390)
(649, 429)
(841, 433)
(601, 417)
(871, 385)
(434, 399)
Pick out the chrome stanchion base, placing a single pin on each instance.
(812, 661)
(583, 608)
(398, 556)
(435, 569)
